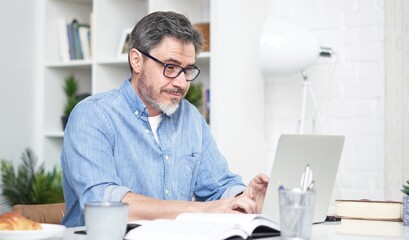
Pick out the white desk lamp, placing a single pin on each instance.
(287, 48)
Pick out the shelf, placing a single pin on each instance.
(204, 55)
(79, 1)
(70, 64)
(114, 61)
(55, 134)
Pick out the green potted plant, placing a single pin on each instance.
(70, 90)
(405, 215)
(30, 183)
(195, 94)
(195, 97)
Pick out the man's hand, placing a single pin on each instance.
(256, 191)
(251, 201)
(230, 205)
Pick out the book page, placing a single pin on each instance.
(184, 230)
(248, 222)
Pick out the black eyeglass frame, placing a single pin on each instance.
(165, 65)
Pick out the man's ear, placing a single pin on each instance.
(135, 59)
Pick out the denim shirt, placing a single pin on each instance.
(110, 150)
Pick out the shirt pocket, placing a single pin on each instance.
(186, 174)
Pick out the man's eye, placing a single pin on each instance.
(171, 67)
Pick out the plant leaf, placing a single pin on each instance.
(47, 187)
(195, 94)
(30, 183)
(8, 182)
(405, 191)
(70, 89)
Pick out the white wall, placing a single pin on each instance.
(351, 99)
(236, 85)
(19, 74)
(396, 97)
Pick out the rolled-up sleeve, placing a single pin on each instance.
(233, 191)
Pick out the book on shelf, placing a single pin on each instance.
(206, 105)
(91, 30)
(369, 210)
(370, 228)
(84, 37)
(206, 226)
(63, 39)
(74, 40)
(71, 46)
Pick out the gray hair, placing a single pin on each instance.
(152, 28)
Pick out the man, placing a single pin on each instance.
(145, 145)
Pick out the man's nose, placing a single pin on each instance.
(180, 81)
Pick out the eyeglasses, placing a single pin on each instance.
(173, 71)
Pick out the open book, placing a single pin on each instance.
(203, 226)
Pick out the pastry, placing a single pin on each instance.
(14, 221)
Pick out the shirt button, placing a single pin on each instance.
(166, 157)
(147, 130)
(136, 112)
(167, 192)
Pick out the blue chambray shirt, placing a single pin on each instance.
(110, 150)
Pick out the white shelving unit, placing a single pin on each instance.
(105, 70)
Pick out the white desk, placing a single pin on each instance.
(359, 230)
(324, 231)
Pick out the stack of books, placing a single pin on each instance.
(370, 218)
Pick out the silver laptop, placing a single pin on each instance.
(294, 152)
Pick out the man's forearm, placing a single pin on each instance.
(143, 207)
(147, 208)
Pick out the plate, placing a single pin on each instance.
(48, 231)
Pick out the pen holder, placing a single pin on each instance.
(296, 213)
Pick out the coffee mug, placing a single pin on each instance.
(106, 220)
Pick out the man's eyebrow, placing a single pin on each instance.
(174, 61)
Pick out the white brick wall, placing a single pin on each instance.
(351, 101)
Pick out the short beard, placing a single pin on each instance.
(147, 92)
(168, 110)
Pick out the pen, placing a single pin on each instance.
(311, 186)
(306, 178)
(280, 186)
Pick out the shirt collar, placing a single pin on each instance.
(134, 101)
(132, 98)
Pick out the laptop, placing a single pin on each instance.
(294, 152)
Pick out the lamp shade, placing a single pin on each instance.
(286, 47)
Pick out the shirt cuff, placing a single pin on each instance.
(115, 193)
(233, 191)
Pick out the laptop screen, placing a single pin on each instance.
(293, 153)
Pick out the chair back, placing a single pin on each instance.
(42, 213)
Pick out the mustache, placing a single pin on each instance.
(175, 90)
